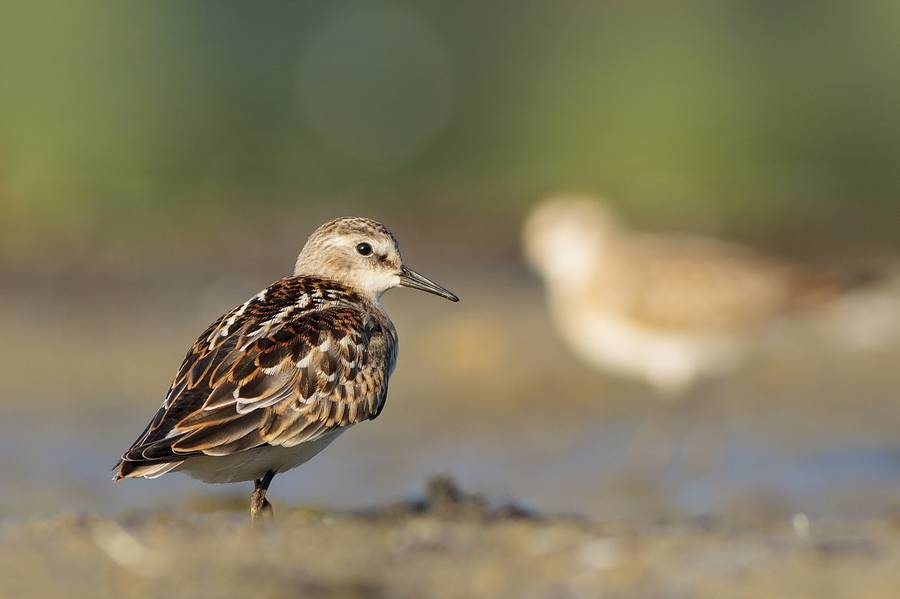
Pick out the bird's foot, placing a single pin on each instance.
(260, 508)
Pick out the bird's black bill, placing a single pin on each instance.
(413, 280)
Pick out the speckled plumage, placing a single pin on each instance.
(275, 380)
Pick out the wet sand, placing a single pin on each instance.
(448, 545)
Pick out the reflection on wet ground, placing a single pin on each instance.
(482, 391)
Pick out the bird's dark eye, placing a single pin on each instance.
(364, 249)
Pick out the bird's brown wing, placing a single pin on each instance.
(284, 368)
(681, 282)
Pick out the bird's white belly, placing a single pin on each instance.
(668, 360)
(252, 464)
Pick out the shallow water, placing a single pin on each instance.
(483, 391)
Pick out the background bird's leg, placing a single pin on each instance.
(690, 426)
(260, 508)
(658, 439)
(704, 445)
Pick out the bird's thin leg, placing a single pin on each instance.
(705, 445)
(657, 441)
(260, 508)
(667, 433)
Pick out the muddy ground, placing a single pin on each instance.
(447, 545)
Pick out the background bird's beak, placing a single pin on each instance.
(413, 280)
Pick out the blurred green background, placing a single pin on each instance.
(773, 121)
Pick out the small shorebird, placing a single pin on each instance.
(274, 381)
(667, 309)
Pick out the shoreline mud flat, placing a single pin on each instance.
(448, 544)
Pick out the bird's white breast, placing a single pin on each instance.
(668, 360)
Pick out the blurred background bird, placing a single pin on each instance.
(668, 309)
